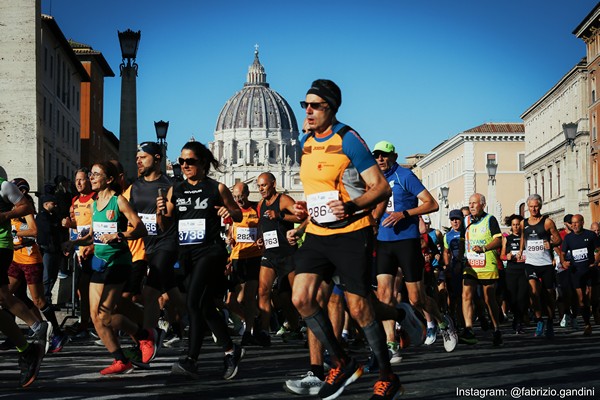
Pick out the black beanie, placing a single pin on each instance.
(152, 148)
(328, 91)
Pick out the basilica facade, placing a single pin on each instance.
(257, 132)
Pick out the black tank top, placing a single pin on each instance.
(274, 230)
(198, 223)
(143, 200)
(513, 243)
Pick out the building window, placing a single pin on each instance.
(535, 182)
(45, 59)
(521, 161)
(529, 186)
(241, 154)
(543, 184)
(51, 67)
(44, 114)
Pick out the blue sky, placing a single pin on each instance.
(415, 73)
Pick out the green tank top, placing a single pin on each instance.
(107, 221)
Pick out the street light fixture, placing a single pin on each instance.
(444, 192)
(161, 128)
(129, 41)
(570, 131)
(492, 167)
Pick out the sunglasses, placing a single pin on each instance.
(188, 161)
(315, 106)
(377, 154)
(95, 174)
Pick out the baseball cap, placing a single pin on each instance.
(151, 148)
(426, 219)
(455, 214)
(385, 147)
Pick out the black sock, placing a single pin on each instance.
(318, 371)
(375, 335)
(321, 327)
(141, 334)
(50, 315)
(120, 356)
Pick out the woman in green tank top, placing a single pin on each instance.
(111, 263)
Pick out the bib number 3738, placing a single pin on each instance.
(192, 231)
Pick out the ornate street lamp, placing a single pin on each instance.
(492, 167)
(129, 41)
(570, 131)
(161, 127)
(444, 190)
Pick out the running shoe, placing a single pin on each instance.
(539, 329)
(44, 334)
(57, 343)
(307, 385)
(338, 378)
(413, 325)
(29, 363)
(185, 366)
(565, 321)
(99, 342)
(394, 353)
(149, 347)
(163, 324)
(387, 389)
(171, 340)
(449, 334)
(549, 329)
(587, 331)
(247, 339)
(431, 336)
(467, 337)
(518, 328)
(232, 361)
(497, 341)
(118, 367)
(134, 354)
(262, 339)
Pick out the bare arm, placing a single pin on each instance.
(230, 207)
(138, 228)
(20, 209)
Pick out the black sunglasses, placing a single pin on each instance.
(188, 161)
(315, 106)
(378, 153)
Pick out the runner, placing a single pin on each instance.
(517, 287)
(111, 262)
(196, 206)
(453, 260)
(538, 235)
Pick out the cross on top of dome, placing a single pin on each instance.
(256, 72)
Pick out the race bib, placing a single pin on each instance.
(271, 240)
(245, 235)
(476, 260)
(580, 254)
(103, 228)
(390, 205)
(150, 221)
(192, 231)
(535, 246)
(318, 208)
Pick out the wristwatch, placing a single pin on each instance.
(121, 236)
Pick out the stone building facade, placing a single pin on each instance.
(257, 132)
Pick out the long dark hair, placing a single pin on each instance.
(111, 171)
(508, 220)
(205, 156)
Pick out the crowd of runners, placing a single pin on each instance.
(355, 261)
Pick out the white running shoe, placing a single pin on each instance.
(449, 334)
(431, 336)
(564, 321)
(308, 384)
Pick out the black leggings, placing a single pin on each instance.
(205, 268)
(517, 291)
(161, 274)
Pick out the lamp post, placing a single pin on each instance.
(571, 197)
(570, 131)
(129, 41)
(161, 128)
(444, 190)
(492, 168)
